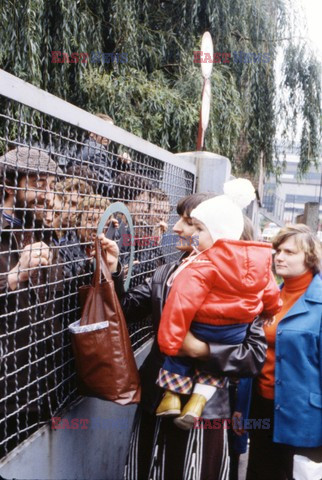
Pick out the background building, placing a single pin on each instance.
(285, 200)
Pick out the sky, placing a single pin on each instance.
(313, 11)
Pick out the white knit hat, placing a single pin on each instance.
(222, 215)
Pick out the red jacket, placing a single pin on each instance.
(229, 283)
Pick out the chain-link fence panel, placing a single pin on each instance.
(57, 177)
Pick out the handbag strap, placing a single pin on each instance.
(102, 266)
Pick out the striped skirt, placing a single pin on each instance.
(161, 451)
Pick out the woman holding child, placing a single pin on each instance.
(159, 448)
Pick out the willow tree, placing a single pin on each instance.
(156, 93)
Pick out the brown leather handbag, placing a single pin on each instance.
(104, 358)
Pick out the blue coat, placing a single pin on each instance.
(298, 371)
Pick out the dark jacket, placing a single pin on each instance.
(96, 157)
(29, 320)
(77, 268)
(246, 359)
(147, 253)
(102, 163)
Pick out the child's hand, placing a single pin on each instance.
(267, 319)
(194, 348)
(237, 423)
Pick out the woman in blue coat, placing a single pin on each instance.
(288, 391)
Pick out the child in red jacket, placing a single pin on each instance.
(215, 294)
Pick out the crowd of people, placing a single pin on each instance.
(227, 338)
(49, 220)
(226, 283)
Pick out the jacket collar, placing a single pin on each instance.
(313, 294)
(314, 291)
(4, 222)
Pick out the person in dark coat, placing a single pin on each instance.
(100, 161)
(159, 449)
(29, 282)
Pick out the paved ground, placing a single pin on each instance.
(242, 466)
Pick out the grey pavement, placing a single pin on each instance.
(243, 460)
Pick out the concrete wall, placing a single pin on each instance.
(212, 170)
(97, 452)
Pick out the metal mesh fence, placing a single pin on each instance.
(56, 180)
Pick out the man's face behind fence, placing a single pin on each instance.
(36, 194)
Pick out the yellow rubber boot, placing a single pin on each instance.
(192, 410)
(170, 405)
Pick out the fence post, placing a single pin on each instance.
(311, 215)
(212, 170)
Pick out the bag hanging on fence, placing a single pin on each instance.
(104, 358)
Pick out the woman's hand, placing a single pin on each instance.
(192, 347)
(111, 250)
(126, 267)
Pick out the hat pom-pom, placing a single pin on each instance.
(240, 191)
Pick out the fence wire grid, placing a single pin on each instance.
(56, 180)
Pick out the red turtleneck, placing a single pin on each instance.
(292, 290)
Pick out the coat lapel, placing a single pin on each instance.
(312, 294)
(298, 308)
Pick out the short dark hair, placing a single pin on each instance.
(187, 204)
(128, 186)
(11, 179)
(160, 195)
(84, 173)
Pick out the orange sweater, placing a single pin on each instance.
(293, 289)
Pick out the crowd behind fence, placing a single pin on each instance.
(57, 179)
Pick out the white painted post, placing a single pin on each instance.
(212, 170)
